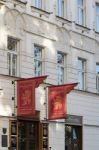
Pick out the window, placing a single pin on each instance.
(12, 47)
(60, 8)
(38, 3)
(81, 73)
(60, 67)
(80, 12)
(37, 60)
(73, 139)
(97, 77)
(97, 17)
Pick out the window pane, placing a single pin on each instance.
(60, 8)
(37, 52)
(12, 44)
(9, 63)
(60, 72)
(38, 68)
(14, 64)
(80, 2)
(97, 68)
(97, 23)
(97, 9)
(38, 60)
(60, 68)
(60, 58)
(80, 64)
(80, 79)
(81, 74)
(80, 16)
(97, 77)
(38, 3)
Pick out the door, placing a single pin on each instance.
(28, 135)
(73, 137)
(24, 135)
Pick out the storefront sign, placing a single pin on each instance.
(57, 100)
(26, 95)
(74, 120)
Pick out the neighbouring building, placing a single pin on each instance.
(58, 38)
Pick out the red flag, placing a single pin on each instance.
(26, 95)
(57, 100)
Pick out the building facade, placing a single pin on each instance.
(58, 38)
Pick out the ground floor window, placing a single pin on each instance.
(28, 135)
(73, 137)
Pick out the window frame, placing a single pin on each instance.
(97, 78)
(61, 8)
(62, 66)
(11, 54)
(96, 15)
(82, 83)
(81, 21)
(40, 59)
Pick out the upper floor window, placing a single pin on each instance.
(38, 3)
(60, 67)
(97, 77)
(37, 60)
(80, 12)
(97, 17)
(60, 8)
(12, 47)
(81, 73)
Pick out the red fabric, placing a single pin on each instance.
(57, 100)
(26, 95)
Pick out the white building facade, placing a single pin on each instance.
(58, 38)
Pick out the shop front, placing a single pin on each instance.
(28, 135)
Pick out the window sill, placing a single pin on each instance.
(82, 27)
(97, 32)
(21, 1)
(40, 11)
(86, 91)
(64, 19)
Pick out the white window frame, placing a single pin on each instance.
(97, 18)
(97, 78)
(38, 60)
(82, 71)
(61, 8)
(81, 21)
(11, 54)
(62, 67)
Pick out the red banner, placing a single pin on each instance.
(26, 95)
(57, 100)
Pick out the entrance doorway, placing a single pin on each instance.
(27, 135)
(24, 135)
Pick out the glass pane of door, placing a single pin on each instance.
(28, 136)
(73, 137)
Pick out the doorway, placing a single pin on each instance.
(24, 135)
(27, 135)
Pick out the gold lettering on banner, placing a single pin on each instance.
(58, 104)
(26, 97)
